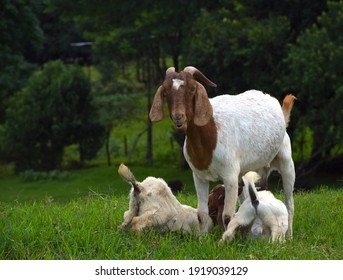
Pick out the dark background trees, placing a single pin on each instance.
(275, 46)
(54, 110)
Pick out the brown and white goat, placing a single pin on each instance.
(226, 136)
(153, 205)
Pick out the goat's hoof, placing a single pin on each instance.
(123, 227)
(120, 228)
(137, 230)
(289, 235)
(221, 242)
(226, 220)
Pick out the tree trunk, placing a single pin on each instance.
(107, 147)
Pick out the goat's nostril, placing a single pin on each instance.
(178, 117)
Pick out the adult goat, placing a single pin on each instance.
(227, 136)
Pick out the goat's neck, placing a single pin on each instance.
(201, 141)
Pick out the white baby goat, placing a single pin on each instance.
(153, 205)
(261, 211)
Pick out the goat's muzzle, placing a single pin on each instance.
(180, 123)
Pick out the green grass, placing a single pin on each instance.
(76, 217)
(86, 228)
(102, 179)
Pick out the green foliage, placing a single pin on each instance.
(240, 52)
(316, 74)
(267, 44)
(302, 144)
(19, 32)
(54, 110)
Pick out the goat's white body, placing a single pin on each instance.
(250, 128)
(251, 134)
(270, 218)
(156, 207)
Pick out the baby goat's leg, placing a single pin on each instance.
(245, 216)
(131, 213)
(276, 234)
(202, 189)
(229, 234)
(139, 223)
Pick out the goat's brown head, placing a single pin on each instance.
(187, 99)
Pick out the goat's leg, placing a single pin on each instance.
(244, 217)
(229, 234)
(284, 163)
(130, 214)
(230, 201)
(202, 189)
(146, 220)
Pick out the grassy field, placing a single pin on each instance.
(69, 185)
(76, 217)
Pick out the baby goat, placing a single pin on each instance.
(216, 202)
(227, 136)
(261, 211)
(153, 205)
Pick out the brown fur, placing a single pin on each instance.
(191, 112)
(199, 151)
(287, 106)
(216, 204)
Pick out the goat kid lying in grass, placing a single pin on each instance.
(261, 212)
(153, 205)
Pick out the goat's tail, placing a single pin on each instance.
(253, 196)
(249, 189)
(287, 106)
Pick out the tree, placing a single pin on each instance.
(53, 111)
(241, 52)
(19, 33)
(117, 102)
(316, 76)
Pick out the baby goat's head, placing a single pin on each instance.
(187, 99)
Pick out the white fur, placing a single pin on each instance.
(269, 218)
(155, 206)
(251, 134)
(177, 83)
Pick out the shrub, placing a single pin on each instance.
(53, 111)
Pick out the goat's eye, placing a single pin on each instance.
(193, 89)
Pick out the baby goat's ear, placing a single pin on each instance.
(156, 111)
(203, 109)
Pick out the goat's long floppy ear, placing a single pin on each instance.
(203, 109)
(156, 111)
